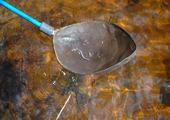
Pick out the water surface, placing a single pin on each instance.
(33, 85)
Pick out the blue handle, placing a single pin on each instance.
(43, 26)
(10, 7)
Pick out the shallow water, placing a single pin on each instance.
(33, 85)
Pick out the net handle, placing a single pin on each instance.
(42, 26)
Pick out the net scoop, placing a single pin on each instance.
(93, 47)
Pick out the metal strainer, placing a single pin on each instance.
(88, 47)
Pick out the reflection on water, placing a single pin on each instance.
(33, 85)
